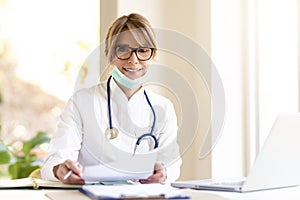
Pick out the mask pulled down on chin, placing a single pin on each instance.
(127, 82)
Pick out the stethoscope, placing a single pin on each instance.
(113, 132)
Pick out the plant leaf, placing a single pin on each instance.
(21, 170)
(5, 156)
(40, 138)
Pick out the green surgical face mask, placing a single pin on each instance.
(129, 83)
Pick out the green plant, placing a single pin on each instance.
(22, 163)
(5, 156)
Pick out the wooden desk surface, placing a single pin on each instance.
(292, 193)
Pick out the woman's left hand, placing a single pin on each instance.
(159, 175)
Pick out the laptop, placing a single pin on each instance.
(276, 166)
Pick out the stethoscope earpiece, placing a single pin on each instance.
(111, 133)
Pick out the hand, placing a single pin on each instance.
(62, 169)
(159, 175)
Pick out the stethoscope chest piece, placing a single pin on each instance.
(111, 133)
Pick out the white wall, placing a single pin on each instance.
(227, 52)
(278, 61)
(254, 43)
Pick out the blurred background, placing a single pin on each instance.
(254, 45)
(42, 47)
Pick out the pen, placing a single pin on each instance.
(68, 174)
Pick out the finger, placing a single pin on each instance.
(75, 175)
(70, 170)
(158, 176)
(75, 179)
(74, 166)
(158, 167)
(155, 178)
(148, 180)
(62, 171)
(144, 181)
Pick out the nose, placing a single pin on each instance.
(133, 58)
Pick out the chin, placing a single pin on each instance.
(134, 75)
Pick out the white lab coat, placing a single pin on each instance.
(80, 135)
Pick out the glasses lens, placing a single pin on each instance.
(142, 53)
(123, 52)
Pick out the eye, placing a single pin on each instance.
(123, 49)
(144, 50)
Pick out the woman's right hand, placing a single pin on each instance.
(62, 169)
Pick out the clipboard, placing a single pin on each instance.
(137, 191)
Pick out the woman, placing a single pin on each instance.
(124, 106)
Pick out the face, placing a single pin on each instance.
(132, 67)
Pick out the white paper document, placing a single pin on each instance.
(153, 191)
(139, 166)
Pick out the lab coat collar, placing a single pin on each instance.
(117, 93)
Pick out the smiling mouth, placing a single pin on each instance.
(132, 70)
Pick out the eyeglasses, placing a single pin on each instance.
(142, 53)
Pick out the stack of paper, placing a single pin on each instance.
(138, 191)
(139, 166)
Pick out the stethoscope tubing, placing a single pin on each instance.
(152, 109)
(108, 102)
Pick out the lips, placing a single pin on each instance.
(132, 70)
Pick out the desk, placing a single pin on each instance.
(292, 193)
